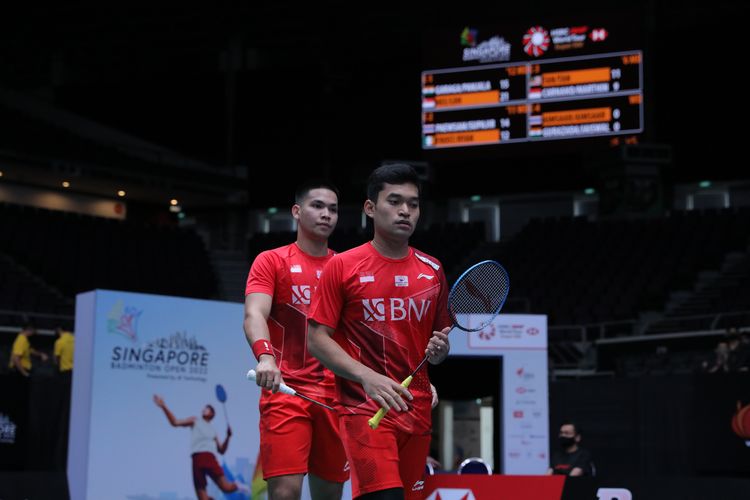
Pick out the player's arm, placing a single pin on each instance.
(577, 471)
(222, 447)
(39, 354)
(386, 392)
(175, 422)
(257, 310)
(16, 358)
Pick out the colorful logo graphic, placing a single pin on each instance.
(123, 321)
(488, 332)
(536, 41)
(469, 37)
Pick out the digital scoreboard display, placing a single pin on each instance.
(564, 85)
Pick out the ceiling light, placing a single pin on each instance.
(121, 193)
(66, 184)
(173, 202)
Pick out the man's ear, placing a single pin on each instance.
(295, 211)
(369, 208)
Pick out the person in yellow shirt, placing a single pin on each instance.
(64, 350)
(20, 355)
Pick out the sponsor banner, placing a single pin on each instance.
(479, 487)
(134, 351)
(521, 340)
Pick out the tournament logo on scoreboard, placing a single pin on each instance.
(493, 50)
(536, 41)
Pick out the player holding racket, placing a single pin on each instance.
(296, 436)
(387, 304)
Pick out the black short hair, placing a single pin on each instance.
(392, 173)
(213, 412)
(304, 189)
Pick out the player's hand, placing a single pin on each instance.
(435, 399)
(385, 391)
(267, 374)
(43, 356)
(159, 401)
(438, 347)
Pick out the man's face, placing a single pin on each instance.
(208, 413)
(396, 211)
(318, 213)
(568, 431)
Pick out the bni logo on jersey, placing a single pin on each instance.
(395, 309)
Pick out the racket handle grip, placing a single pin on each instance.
(283, 388)
(374, 422)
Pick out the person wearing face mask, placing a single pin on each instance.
(570, 459)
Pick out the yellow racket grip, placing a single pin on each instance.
(374, 422)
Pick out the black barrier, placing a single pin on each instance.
(34, 421)
(14, 422)
(33, 485)
(657, 426)
(656, 488)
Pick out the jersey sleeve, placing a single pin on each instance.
(328, 299)
(262, 275)
(58, 346)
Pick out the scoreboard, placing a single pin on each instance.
(541, 100)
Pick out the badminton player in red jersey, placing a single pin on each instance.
(296, 436)
(378, 310)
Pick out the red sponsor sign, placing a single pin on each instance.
(495, 487)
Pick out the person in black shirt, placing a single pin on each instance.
(571, 459)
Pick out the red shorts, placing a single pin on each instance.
(297, 437)
(204, 463)
(384, 458)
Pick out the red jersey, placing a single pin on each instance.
(383, 312)
(290, 276)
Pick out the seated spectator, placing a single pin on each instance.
(571, 459)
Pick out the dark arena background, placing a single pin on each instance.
(596, 149)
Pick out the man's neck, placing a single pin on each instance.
(313, 247)
(572, 449)
(391, 249)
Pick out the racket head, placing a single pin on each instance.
(221, 394)
(480, 293)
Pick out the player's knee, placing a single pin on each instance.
(321, 489)
(281, 488)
